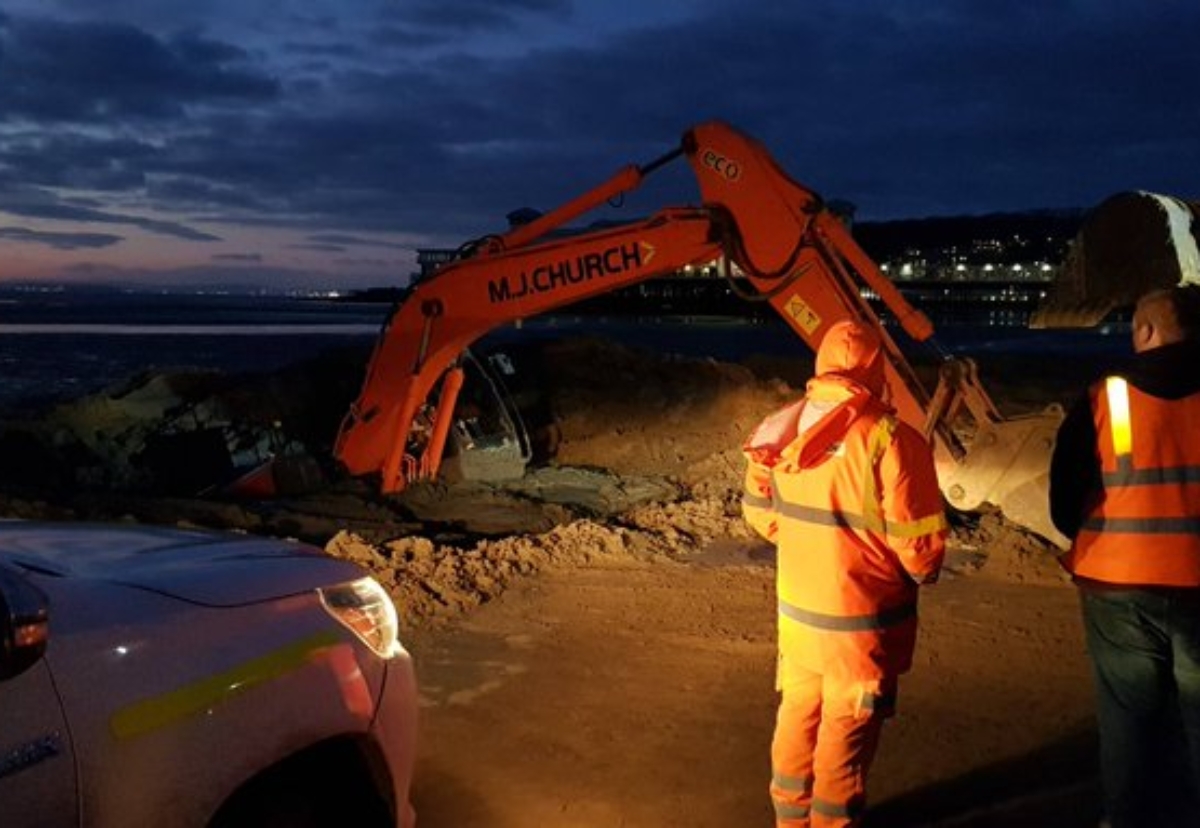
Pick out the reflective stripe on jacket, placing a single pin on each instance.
(856, 512)
(1144, 528)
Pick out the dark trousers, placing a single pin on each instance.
(1145, 651)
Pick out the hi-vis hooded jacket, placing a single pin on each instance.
(853, 504)
(1125, 476)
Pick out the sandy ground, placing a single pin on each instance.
(595, 642)
(638, 693)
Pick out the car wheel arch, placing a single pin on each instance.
(339, 781)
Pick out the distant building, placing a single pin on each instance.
(430, 259)
(1010, 247)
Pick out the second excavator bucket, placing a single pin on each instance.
(1133, 242)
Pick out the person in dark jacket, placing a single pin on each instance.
(1125, 488)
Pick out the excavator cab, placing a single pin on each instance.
(488, 439)
(1131, 243)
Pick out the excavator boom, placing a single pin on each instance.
(441, 317)
(757, 222)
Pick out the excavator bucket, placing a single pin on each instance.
(1008, 465)
(1133, 242)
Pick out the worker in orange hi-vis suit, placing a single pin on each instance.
(849, 496)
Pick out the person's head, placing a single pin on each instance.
(855, 351)
(1166, 316)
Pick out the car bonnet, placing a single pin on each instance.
(200, 566)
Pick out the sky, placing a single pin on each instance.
(320, 143)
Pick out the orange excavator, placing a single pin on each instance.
(757, 223)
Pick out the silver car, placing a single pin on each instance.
(160, 676)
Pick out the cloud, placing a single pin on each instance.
(231, 275)
(50, 209)
(423, 123)
(59, 241)
(355, 241)
(474, 15)
(325, 248)
(89, 72)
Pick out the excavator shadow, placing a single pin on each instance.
(1055, 786)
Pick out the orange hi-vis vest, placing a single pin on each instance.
(855, 509)
(1144, 529)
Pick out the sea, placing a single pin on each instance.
(66, 343)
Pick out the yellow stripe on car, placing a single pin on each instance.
(165, 709)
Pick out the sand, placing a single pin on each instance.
(595, 641)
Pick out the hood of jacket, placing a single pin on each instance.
(1169, 372)
(854, 352)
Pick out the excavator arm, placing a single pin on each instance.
(756, 222)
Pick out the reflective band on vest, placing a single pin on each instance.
(1117, 391)
(850, 623)
(1145, 526)
(873, 521)
(1129, 476)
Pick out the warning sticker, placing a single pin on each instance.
(805, 316)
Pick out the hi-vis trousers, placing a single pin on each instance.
(826, 734)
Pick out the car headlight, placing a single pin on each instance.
(365, 608)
